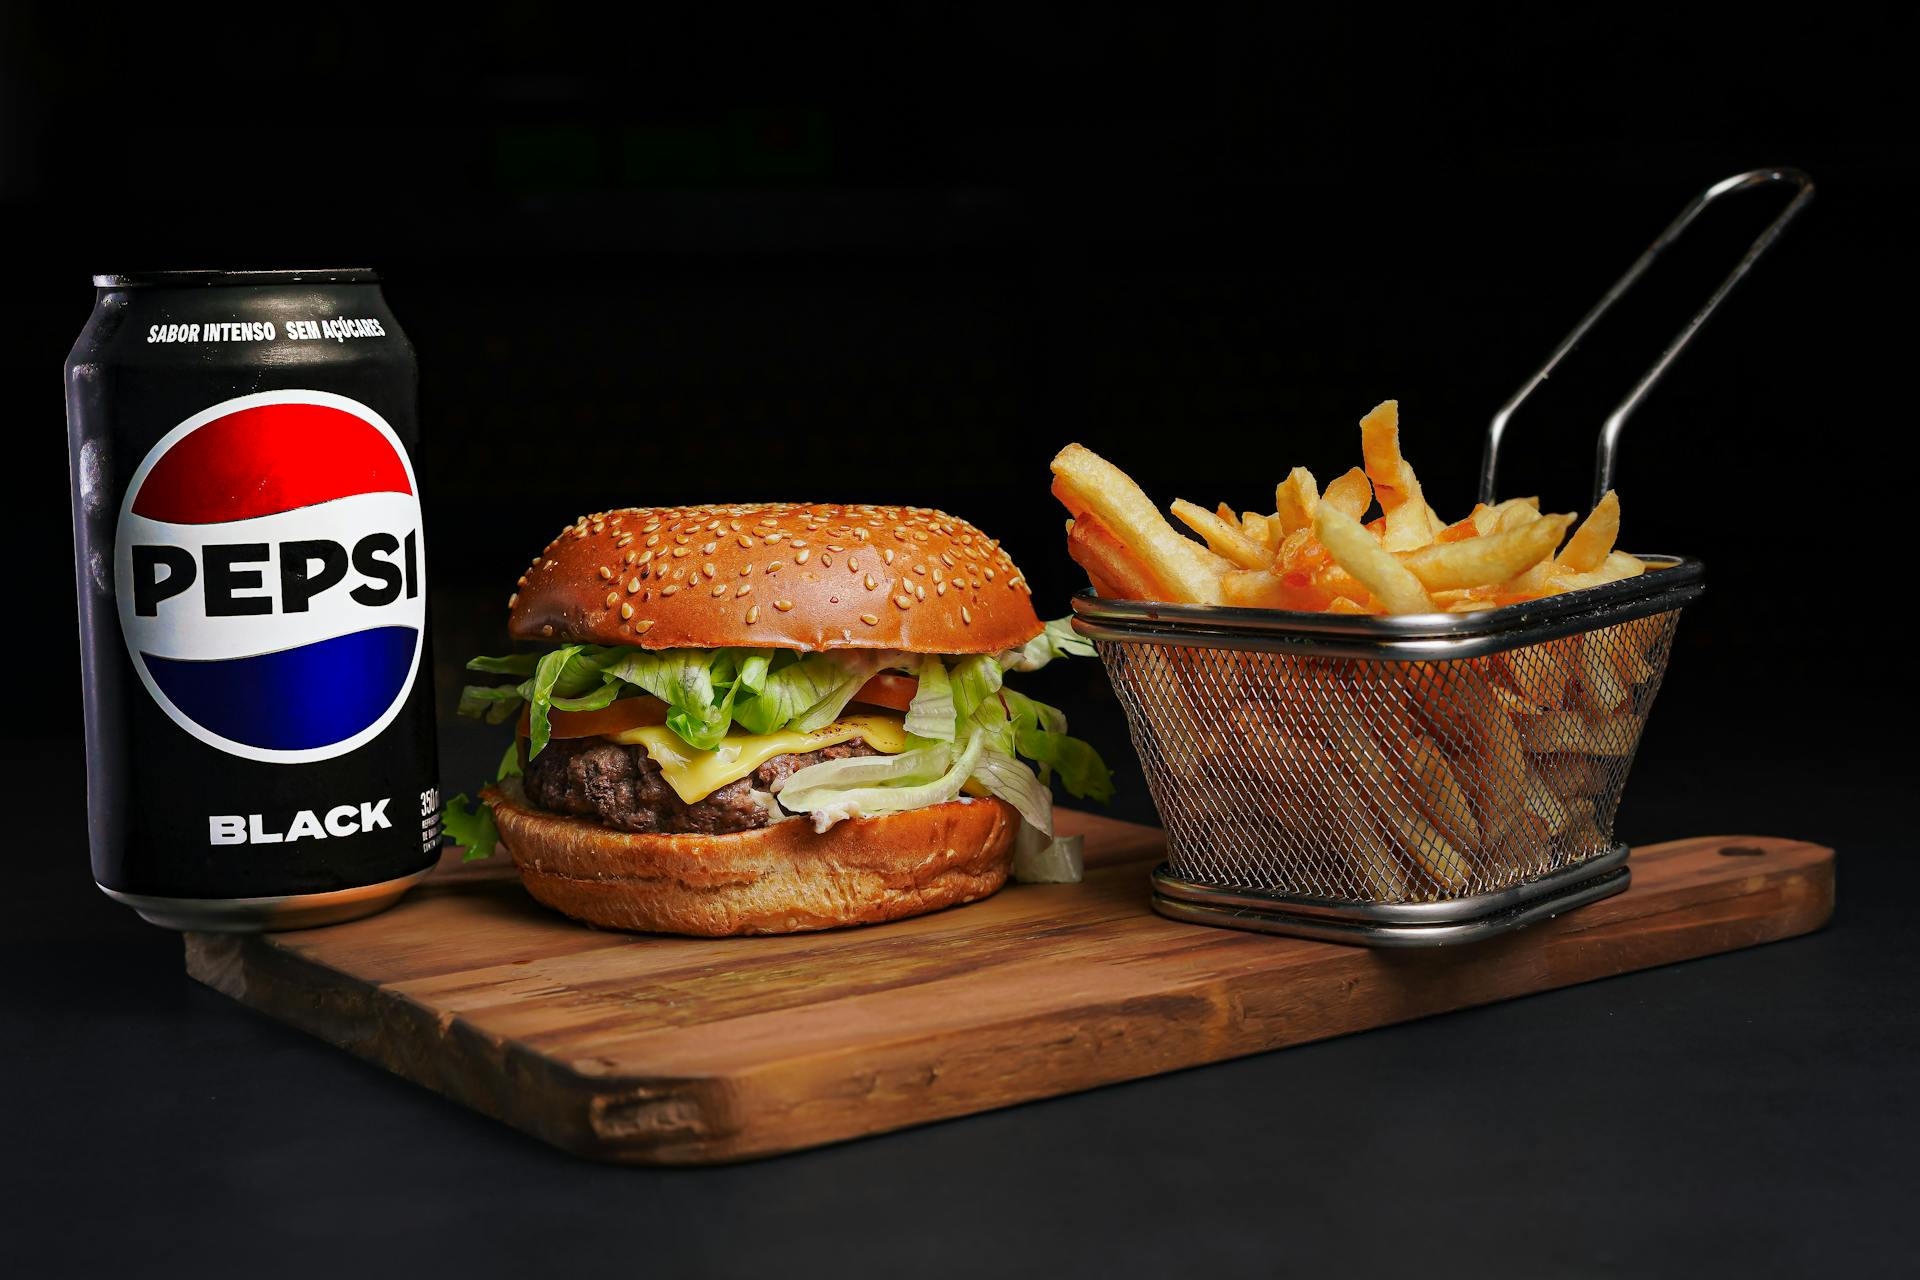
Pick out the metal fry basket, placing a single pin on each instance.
(1415, 780)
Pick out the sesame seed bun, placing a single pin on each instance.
(776, 576)
(785, 878)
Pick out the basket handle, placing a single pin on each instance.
(1608, 444)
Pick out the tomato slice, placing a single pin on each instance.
(893, 692)
(627, 713)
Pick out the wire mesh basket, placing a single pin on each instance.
(1391, 780)
(1405, 781)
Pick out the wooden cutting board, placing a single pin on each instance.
(660, 1050)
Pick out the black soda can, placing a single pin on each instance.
(252, 575)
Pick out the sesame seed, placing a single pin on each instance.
(773, 566)
(645, 557)
(920, 569)
(606, 573)
(653, 539)
(547, 630)
(707, 569)
(626, 611)
(632, 557)
(887, 555)
(939, 588)
(783, 605)
(753, 614)
(904, 600)
(919, 535)
(966, 615)
(871, 619)
(846, 633)
(871, 582)
(744, 540)
(946, 558)
(919, 592)
(641, 627)
(513, 600)
(800, 557)
(989, 575)
(613, 598)
(826, 560)
(720, 590)
(853, 563)
(707, 548)
(522, 581)
(678, 552)
(633, 585)
(745, 587)
(669, 589)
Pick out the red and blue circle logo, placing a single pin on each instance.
(270, 572)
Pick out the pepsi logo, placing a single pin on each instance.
(270, 572)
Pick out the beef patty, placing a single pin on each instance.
(622, 787)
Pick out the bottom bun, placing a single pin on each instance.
(785, 878)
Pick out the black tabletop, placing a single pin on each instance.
(1750, 1113)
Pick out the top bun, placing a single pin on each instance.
(776, 576)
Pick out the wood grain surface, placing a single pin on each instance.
(663, 1050)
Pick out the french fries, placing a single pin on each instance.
(1180, 568)
(1424, 774)
(1406, 559)
(1357, 551)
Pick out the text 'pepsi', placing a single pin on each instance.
(251, 564)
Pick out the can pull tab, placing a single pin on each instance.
(1606, 447)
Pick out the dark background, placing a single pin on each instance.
(903, 256)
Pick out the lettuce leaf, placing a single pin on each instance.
(539, 694)
(1057, 639)
(495, 704)
(830, 791)
(470, 827)
(1040, 734)
(856, 669)
(790, 688)
(932, 714)
(696, 684)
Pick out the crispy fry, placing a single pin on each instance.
(1591, 542)
(1539, 673)
(1445, 801)
(1516, 512)
(1410, 522)
(1496, 557)
(1223, 536)
(1264, 589)
(1259, 528)
(1352, 493)
(1354, 549)
(1185, 570)
(1114, 571)
(1294, 500)
(1601, 688)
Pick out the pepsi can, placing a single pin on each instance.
(252, 576)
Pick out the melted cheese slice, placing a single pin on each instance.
(694, 775)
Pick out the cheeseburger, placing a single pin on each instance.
(772, 718)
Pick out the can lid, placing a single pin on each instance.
(187, 279)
